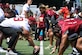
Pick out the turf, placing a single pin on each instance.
(47, 52)
(23, 48)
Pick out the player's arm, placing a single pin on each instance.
(28, 36)
(30, 40)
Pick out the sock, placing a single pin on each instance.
(74, 49)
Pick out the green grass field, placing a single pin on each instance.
(47, 52)
(23, 48)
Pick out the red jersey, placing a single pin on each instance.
(69, 24)
(41, 21)
(50, 12)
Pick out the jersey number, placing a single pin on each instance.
(18, 19)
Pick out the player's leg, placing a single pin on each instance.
(79, 40)
(57, 44)
(1, 40)
(64, 44)
(50, 34)
(73, 40)
(13, 33)
(14, 45)
(79, 44)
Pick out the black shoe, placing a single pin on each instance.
(14, 50)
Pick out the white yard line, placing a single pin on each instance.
(41, 48)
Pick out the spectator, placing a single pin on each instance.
(76, 13)
(72, 9)
(26, 8)
(9, 13)
(7, 5)
(14, 10)
(65, 11)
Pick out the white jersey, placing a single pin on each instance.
(16, 23)
(1, 14)
(25, 8)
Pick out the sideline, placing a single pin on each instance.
(41, 48)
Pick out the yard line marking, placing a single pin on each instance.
(41, 48)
